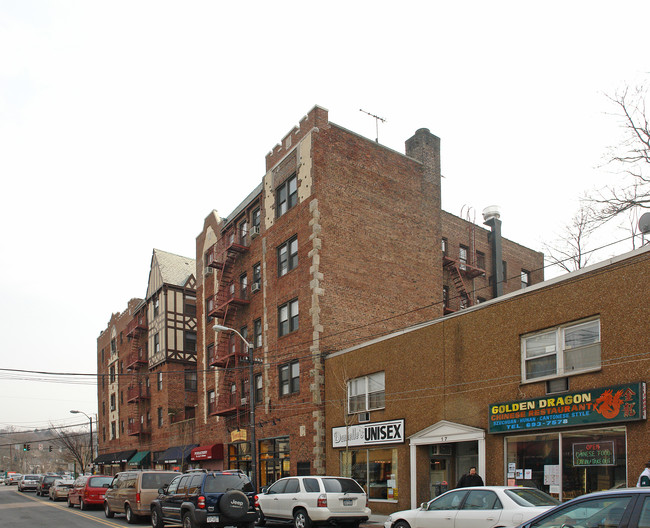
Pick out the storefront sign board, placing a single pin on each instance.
(391, 432)
(620, 403)
(594, 454)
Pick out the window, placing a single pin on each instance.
(562, 351)
(160, 376)
(257, 333)
(462, 256)
(480, 260)
(190, 380)
(111, 374)
(286, 196)
(445, 244)
(156, 306)
(289, 378)
(243, 286)
(160, 417)
(367, 393)
(255, 218)
(287, 256)
(113, 402)
(288, 318)
(113, 430)
(113, 347)
(243, 232)
(156, 343)
(257, 274)
(212, 402)
(374, 469)
(259, 394)
(242, 346)
(505, 271)
(190, 342)
(525, 278)
(190, 306)
(445, 296)
(208, 317)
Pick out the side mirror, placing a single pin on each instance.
(424, 505)
(263, 490)
(161, 491)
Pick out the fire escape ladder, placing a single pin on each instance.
(456, 276)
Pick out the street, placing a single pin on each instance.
(26, 510)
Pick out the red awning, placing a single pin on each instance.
(213, 452)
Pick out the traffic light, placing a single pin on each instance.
(24, 447)
(29, 446)
(50, 449)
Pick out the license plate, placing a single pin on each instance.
(213, 518)
(347, 502)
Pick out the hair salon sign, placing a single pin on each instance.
(391, 432)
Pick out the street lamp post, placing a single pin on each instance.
(251, 403)
(92, 454)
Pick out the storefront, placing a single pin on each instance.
(572, 443)
(368, 455)
(111, 463)
(141, 460)
(208, 457)
(175, 458)
(274, 459)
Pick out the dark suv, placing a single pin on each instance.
(198, 500)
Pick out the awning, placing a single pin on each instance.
(213, 452)
(115, 458)
(174, 455)
(139, 458)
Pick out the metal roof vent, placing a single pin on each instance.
(491, 211)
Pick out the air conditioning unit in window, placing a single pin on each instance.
(244, 400)
(208, 270)
(255, 231)
(441, 449)
(255, 287)
(364, 417)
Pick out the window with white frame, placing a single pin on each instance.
(562, 351)
(257, 333)
(288, 318)
(286, 196)
(367, 393)
(289, 378)
(287, 256)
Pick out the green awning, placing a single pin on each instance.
(139, 458)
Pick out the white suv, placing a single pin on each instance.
(314, 500)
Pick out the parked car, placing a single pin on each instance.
(629, 507)
(220, 498)
(314, 500)
(88, 490)
(60, 489)
(28, 482)
(505, 506)
(131, 493)
(43, 488)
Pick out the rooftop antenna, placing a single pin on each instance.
(377, 119)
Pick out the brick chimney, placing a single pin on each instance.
(425, 147)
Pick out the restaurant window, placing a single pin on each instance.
(239, 457)
(374, 469)
(588, 460)
(286, 196)
(367, 393)
(275, 461)
(562, 351)
(287, 256)
(289, 378)
(288, 318)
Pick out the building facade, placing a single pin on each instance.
(544, 386)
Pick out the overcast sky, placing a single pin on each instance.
(124, 123)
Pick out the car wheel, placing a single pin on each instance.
(234, 504)
(301, 519)
(131, 518)
(83, 505)
(187, 520)
(401, 524)
(107, 511)
(156, 518)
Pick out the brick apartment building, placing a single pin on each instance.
(544, 386)
(342, 241)
(147, 372)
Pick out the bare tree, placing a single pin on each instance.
(631, 159)
(74, 444)
(569, 251)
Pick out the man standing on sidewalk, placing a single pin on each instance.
(470, 479)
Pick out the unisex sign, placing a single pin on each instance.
(622, 403)
(391, 432)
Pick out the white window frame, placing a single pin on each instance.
(362, 386)
(559, 349)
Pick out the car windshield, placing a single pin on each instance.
(49, 480)
(30, 477)
(341, 485)
(99, 482)
(156, 480)
(528, 497)
(603, 511)
(223, 482)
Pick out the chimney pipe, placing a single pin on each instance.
(491, 218)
